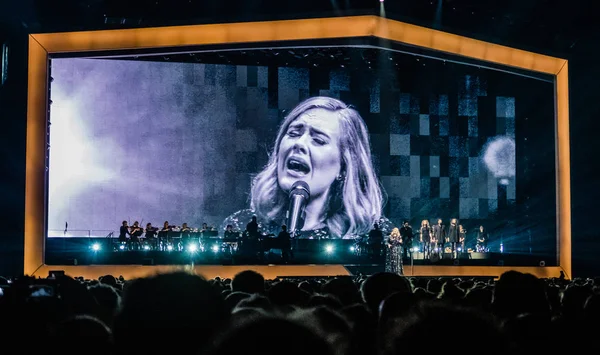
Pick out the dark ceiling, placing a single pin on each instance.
(548, 26)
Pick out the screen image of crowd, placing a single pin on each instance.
(382, 313)
(222, 143)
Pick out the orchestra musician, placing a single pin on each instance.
(123, 232)
(151, 234)
(163, 234)
(135, 233)
(426, 238)
(229, 234)
(185, 232)
(185, 229)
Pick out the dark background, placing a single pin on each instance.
(542, 26)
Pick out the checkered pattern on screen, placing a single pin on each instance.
(426, 148)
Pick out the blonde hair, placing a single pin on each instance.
(355, 201)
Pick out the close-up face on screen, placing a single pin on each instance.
(384, 140)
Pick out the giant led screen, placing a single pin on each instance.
(390, 139)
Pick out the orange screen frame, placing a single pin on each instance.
(41, 46)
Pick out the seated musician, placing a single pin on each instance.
(151, 234)
(163, 233)
(205, 230)
(165, 229)
(123, 232)
(135, 233)
(151, 231)
(229, 233)
(185, 231)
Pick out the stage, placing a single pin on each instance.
(280, 271)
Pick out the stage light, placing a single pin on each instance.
(501, 248)
(329, 249)
(192, 248)
(352, 248)
(459, 249)
(169, 247)
(146, 247)
(96, 247)
(121, 247)
(215, 248)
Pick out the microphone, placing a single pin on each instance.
(299, 195)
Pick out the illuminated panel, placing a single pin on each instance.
(40, 45)
(563, 155)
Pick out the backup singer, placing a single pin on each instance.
(426, 238)
(439, 234)
(406, 232)
(325, 143)
(453, 235)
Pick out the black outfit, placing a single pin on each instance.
(186, 233)
(252, 229)
(407, 239)
(285, 243)
(151, 233)
(462, 240)
(453, 237)
(426, 235)
(230, 235)
(138, 233)
(123, 231)
(439, 234)
(482, 239)
(375, 241)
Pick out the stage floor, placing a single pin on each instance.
(274, 271)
